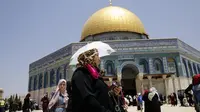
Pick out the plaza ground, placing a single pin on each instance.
(168, 108)
(165, 108)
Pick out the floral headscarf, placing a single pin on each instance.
(86, 60)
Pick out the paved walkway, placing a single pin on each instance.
(165, 108)
(168, 108)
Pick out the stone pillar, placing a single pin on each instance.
(62, 72)
(119, 77)
(150, 81)
(192, 69)
(140, 77)
(197, 68)
(110, 81)
(165, 84)
(173, 82)
(102, 64)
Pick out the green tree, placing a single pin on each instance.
(16, 98)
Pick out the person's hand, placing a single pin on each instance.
(125, 107)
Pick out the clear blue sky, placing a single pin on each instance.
(31, 29)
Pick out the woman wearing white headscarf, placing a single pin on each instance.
(154, 104)
(59, 100)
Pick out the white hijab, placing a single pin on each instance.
(56, 95)
(152, 93)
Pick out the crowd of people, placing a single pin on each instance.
(87, 92)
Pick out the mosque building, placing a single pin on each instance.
(140, 62)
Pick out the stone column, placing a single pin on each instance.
(140, 77)
(110, 81)
(192, 69)
(197, 68)
(173, 82)
(62, 72)
(119, 77)
(102, 64)
(165, 84)
(150, 81)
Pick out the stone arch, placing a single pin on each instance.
(195, 68)
(144, 65)
(46, 79)
(185, 65)
(158, 65)
(110, 67)
(52, 78)
(58, 75)
(190, 69)
(129, 72)
(127, 63)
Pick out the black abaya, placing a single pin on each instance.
(83, 90)
(154, 104)
(146, 102)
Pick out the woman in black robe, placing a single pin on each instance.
(85, 82)
(26, 105)
(69, 92)
(146, 100)
(154, 104)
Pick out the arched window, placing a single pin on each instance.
(158, 66)
(30, 84)
(171, 65)
(145, 66)
(35, 83)
(52, 78)
(190, 69)
(185, 65)
(46, 79)
(195, 69)
(40, 81)
(110, 67)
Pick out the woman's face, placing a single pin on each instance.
(62, 86)
(97, 60)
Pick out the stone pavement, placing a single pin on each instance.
(165, 108)
(168, 108)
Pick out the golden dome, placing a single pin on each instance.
(112, 18)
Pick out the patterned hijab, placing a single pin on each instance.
(86, 60)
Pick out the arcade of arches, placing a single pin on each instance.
(165, 82)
